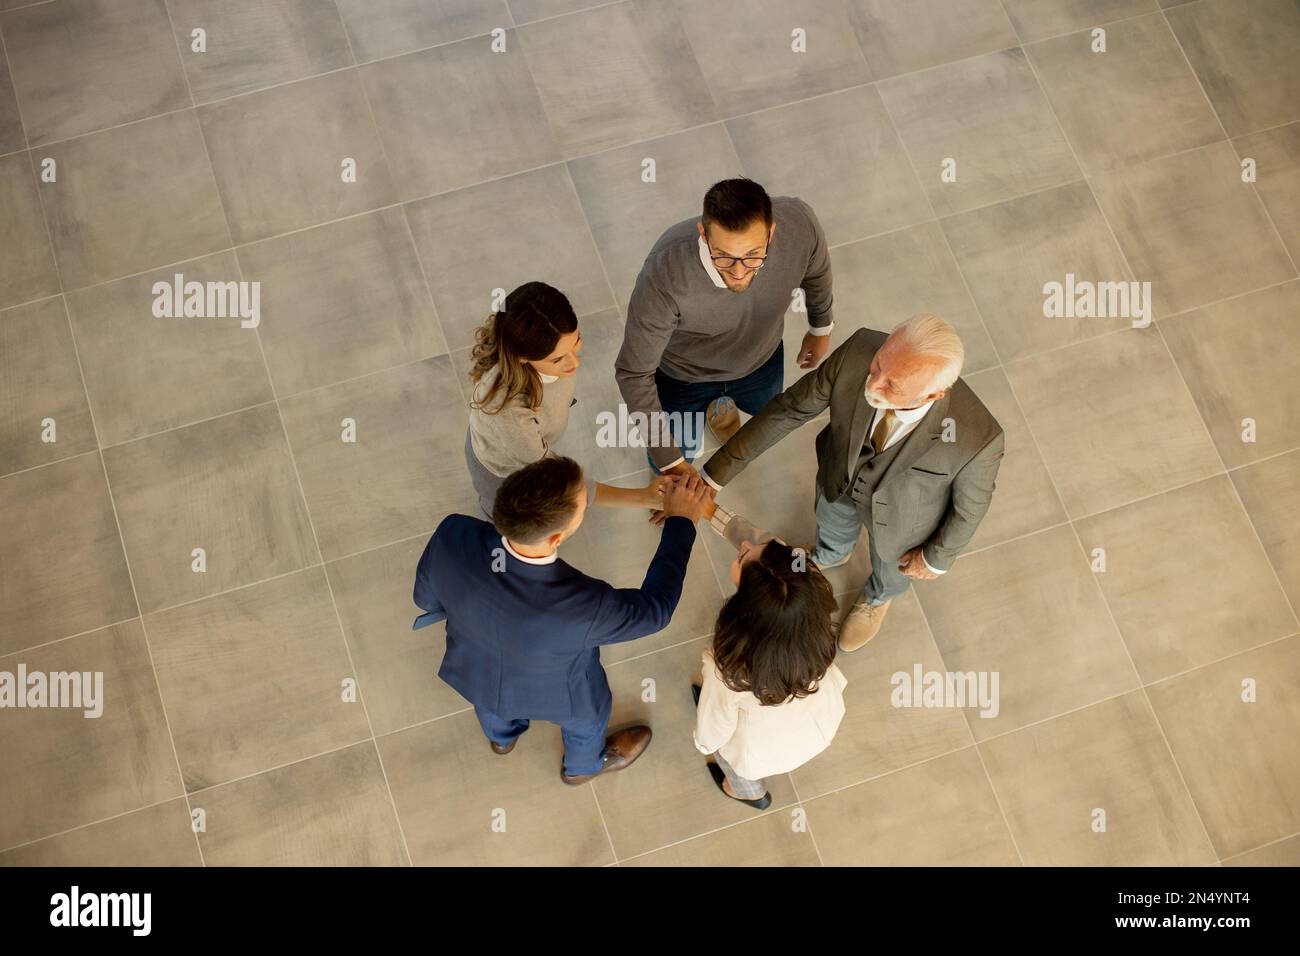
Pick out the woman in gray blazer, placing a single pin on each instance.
(525, 363)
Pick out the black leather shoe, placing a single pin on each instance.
(621, 751)
(762, 803)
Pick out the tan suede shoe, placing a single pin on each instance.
(861, 625)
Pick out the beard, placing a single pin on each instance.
(879, 401)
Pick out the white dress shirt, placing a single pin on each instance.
(549, 559)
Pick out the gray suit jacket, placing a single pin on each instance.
(935, 492)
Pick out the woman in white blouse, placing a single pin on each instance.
(525, 361)
(771, 697)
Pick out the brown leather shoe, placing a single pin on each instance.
(621, 750)
(861, 625)
(498, 749)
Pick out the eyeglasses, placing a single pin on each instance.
(727, 262)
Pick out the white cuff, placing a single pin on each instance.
(820, 329)
(721, 517)
(933, 570)
(712, 484)
(672, 464)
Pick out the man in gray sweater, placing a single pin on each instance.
(707, 314)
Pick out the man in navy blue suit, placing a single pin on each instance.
(524, 628)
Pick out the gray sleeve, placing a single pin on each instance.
(817, 277)
(651, 320)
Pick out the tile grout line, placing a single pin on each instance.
(103, 467)
(1117, 630)
(907, 153)
(609, 287)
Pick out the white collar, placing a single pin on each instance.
(549, 559)
(709, 267)
(547, 379)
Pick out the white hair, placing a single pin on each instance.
(927, 334)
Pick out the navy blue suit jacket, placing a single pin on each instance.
(523, 640)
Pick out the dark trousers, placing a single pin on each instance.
(750, 394)
(584, 740)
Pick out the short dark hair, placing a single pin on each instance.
(734, 204)
(774, 636)
(537, 500)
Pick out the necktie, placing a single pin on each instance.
(885, 428)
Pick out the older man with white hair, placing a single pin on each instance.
(910, 453)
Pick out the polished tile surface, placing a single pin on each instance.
(1137, 573)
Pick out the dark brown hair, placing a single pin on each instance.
(735, 203)
(537, 500)
(774, 636)
(528, 328)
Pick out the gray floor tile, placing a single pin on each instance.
(146, 374)
(106, 224)
(498, 811)
(840, 154)
(938, 813)
(731, 36)
(777, 839)
(11, 127)
(225, 485)
(500, 235)
(255, 45)
(1010, 251)
(404, 472)
(1025, 499)
(253, 679)
(38, 364)
(158, 836)
(1283, 853)
(1054, 777)
(1244, 54)
(397, 668)
(1238, 360)
(526, 10)
(319, 123)
(332, 810)
(85, 66)
(1241, 760)
(1270, 490)
(73, 576)
(1154, 550)
(616, 74)
(1046, 632)
(101, 766)
(341, 300)
(1277, 157)
(27, 268)
(900, 36)
(989, 115)
(457, 115)
(384, 28)
(1136, 101)
(1113, 420)
(1189, 229)
(1036, 19)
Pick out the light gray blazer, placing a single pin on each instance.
(935, 492)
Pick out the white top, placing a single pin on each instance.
(758, 740)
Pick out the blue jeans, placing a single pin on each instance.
(838, 527)
(750, 394)
(584, 740)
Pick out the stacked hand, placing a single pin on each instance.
(685, 493)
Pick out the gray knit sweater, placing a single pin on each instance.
(679, 321)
